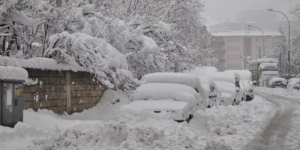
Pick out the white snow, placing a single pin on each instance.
(13, 73)
(178, 78)
(158, 91)
(149, 45)
(138, 107)
(268, 66)
(223, 76)
(96, 128)
(291, 83)
(38, 63)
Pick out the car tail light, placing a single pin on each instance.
(251, 91)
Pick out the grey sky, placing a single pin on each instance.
(223, 9)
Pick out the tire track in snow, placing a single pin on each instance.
(274, 135)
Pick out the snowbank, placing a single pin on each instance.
(157, 91)
(13, 73)
(39, 63)
(278, 91)
(226, 87)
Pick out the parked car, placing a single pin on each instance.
(228, 93)
(212, 92)
(183, 79)
(180, 111)
(246, 84)
(277, 82)
(293, 84)
(185, 100)
(232, 80)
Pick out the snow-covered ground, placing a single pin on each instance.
(103, 127)
(278, 91)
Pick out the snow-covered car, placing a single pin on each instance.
(179, 78)
(228, 93)
(211, 91)
(158, 91)
(246, 84)
(169, 91)
(293, 84)
(277, 82)
(179, 111)
(231, 79)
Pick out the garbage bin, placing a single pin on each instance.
(11, 95)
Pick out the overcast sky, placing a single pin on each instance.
(229, 8)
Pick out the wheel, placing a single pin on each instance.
(208, 106)
(189, 119)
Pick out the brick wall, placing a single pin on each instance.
(61, 91)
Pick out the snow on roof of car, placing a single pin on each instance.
(268, 65)
(243, 33)
(136, 107)
(223, 76)
(13, 73)
(226, 87)
(264, 60)
(158, 91)
(38, 63)
(244, 74)
(169, 77)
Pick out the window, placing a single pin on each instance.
(228, 57)
(238, 48)
(231, 47)
(256, 40)
(228, 66)
(58, 3)
(234, 48)
(233, 56)
(90, 1)
(228, 48)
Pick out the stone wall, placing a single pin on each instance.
(61, 91)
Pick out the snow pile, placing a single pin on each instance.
(278, 91)
(268, 66)
(226, 87)
(157, 91)
(293, 138)
(13, 73)
(39, 63)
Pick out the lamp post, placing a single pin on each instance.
(289, 52)
(250, 26)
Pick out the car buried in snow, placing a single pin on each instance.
(277, 83)
(208, 95)
(159, 97)
(229, 84)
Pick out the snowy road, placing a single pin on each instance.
(282, 131)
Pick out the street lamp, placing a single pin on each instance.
(289, 53)
(250, 26)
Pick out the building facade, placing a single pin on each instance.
(233, 49)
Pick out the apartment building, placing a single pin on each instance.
(234, 48)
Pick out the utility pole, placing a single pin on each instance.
(289, 27)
